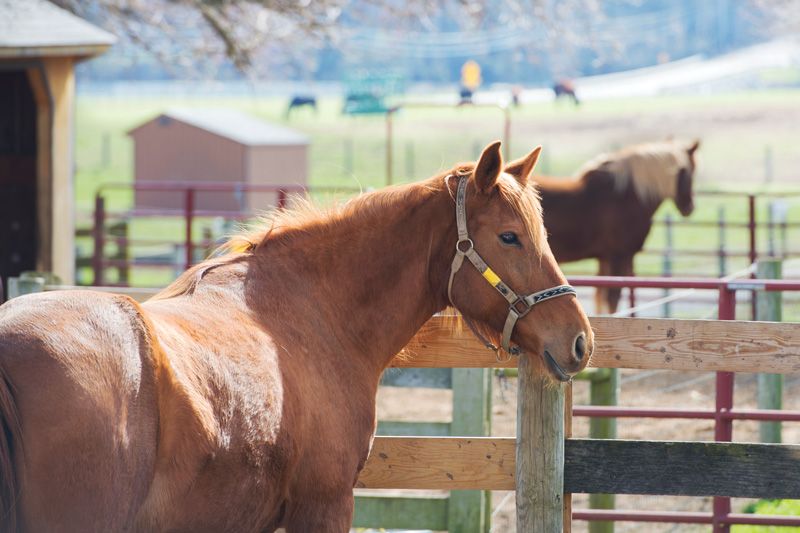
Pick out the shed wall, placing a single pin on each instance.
(275, 165)
(172, 150)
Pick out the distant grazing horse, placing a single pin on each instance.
(606, 213)
(242, 397)
(565, 88)
(301, 101)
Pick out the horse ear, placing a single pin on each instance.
(521, 168)
(693, 146)
(489, 167)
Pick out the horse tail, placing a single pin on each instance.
(9, 432)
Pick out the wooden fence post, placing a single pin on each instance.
(98, 255)
(349, 158)
(722, 254)
(464, 511)
(770, 386)
(666, 270)
(467, 511)
(771, 229)
(540, 451)
(604, 390)
(411, 169)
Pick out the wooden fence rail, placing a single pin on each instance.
(657, 343)
(591, 466)
(604, 466)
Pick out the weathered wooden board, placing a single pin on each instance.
(682, 468)
(694, 345)
(401, 428)
(401, 512)
(431, 378)
(603, 466)
(540, 451)
(446, 463)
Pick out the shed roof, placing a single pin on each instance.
(234, 125)
(39, 28)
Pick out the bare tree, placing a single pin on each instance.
(188, 35)
(179, 32)
(780, 17)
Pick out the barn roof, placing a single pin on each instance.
(36, 28)
(234, 125)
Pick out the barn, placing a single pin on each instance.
(200, 145)
(40, 44)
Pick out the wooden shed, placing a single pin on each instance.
(216, 145)
(40, 45)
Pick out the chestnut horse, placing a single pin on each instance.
(242, 397)
(607, 212)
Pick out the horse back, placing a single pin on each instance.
(590, 217)
(577, 215)
(81, 368)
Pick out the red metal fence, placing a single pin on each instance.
(723, 414)
(189, 213)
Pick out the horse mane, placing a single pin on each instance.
(303, 215)
(651, 168)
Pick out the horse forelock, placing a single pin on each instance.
(651, 168)
(526, 203)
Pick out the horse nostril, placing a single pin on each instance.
(580, 346)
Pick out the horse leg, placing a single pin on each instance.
(601, 293)
(333, 516)
(619, 266)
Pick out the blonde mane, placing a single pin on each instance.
(304, 215)
(652, 168)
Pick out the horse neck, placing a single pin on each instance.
(372, 278)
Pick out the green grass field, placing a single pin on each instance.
(772, 507)
(350, 152)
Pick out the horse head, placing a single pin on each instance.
(526, 299)
(684, 194)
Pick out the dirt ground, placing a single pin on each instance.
(638, 388)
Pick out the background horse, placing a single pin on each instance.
(242, 398)
(567, 89)
(301, 101)
(607, 212)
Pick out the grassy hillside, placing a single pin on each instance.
(748, 139)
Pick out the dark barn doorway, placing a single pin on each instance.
(18, 213)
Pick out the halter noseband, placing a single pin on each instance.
(518, 306)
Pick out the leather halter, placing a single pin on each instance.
(518, 306)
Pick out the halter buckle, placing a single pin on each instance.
(520, 307)
(470, 245)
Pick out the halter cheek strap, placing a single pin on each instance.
(518, 306)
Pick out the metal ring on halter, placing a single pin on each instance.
(511, 353)
(468, 241)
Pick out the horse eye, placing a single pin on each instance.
(509, 238)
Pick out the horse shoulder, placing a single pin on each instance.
(221, 408)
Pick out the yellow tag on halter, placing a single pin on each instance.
(491, 277)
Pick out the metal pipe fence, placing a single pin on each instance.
(188, 212)
(723, 414)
